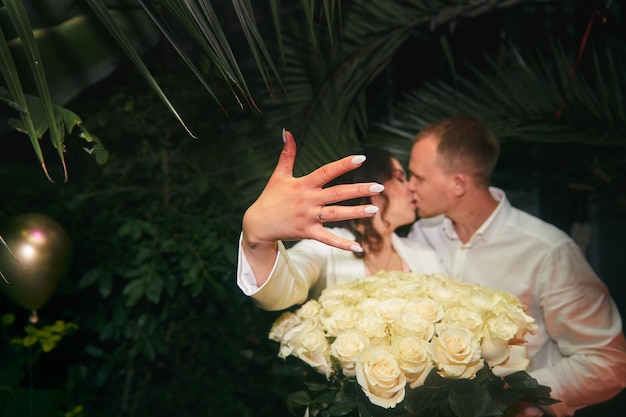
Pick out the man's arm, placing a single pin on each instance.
(582, 318)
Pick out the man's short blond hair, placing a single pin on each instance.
(465, 145)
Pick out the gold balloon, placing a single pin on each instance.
(43, 250)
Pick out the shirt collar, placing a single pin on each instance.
(493, 222)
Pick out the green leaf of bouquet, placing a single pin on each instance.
(342, 408)
(326, 398)
(433, 392)
(299, 398)
(521, 380)
(529, 389)
(315, 386)
(468, 399)
(494, 404)
(363, 410)
(483, 376)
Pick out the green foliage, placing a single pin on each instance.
(485, 395)
(162, 327)
(47, 337)
(165, 328)
(20, 353)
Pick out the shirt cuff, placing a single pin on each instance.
(246, 280)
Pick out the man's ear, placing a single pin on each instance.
(461, 182)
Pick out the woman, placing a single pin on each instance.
(277, 278)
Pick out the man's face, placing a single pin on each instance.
(434, 188)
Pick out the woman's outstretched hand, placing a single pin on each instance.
(295, 208)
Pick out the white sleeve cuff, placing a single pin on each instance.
(246, 280)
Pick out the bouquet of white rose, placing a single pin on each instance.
(404, 343)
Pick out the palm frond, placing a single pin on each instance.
(520, 102)
(17, 13)
(329, 64)
(178, 47)
(325, 103)
(536, 105)
(107, 19)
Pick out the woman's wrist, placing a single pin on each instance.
(250, 242)
(251, 238)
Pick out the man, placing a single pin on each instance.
(579, 349)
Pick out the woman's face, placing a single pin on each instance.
(400, 209)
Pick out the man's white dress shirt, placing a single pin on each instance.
(579, 348)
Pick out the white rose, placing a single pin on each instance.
(427, 308)
(494, 349)
(331, 303)
(481, 298)
(517, 361)
(367, 304)
(313, 348)
(380, 377)
(343, 295)
(388, 292)
(414, 359)
(352, 296)
(309, 309)
(391, 308)
(501, 326)
(346, 348)
(443, 294)
(292, 337)
(506, 298)
(410, 323)
(524, 324)
(340, 320)
(464, 317)
(440, 287)
(372, 325)
(456, 352)
(282, 325)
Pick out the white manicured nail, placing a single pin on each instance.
(356, 248)
(358, 159)
(377, 188)
(371, 209)
(284, 137)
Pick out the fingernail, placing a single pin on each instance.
(377, 188)
(371, 209)
(358, 159)
(356, 248)
(284, 136)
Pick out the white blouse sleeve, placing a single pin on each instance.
(294, 273)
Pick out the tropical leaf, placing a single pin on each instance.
(17, 13)
(107, 19)
(78, 51)
(24, 55)
(325, 104)
(535, 104)
(534, 101)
